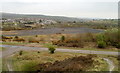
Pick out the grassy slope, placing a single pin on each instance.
(30, 59)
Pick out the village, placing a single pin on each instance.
(20, 23)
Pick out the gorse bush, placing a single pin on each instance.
(110, 37)
(100, 37)
(51, 49)
(62, 38)
(36, 35)
(101, 44)
(16, 37)
(38, 52)
(20, 52)
(118, 45)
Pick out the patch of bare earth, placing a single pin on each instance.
(81, 63)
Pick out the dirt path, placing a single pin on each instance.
(11, 49)
(9, 66)
(110, 63)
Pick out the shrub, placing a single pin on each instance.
(62, 38)
(38, 52)
(101, 44)
(2, 36)
(118, 45)
(21, 52)
(112, 37)
(100, 37)
(118, 58)
(51, 49)
(16, 37)
(36, 35)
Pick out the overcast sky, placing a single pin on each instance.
(70, 8)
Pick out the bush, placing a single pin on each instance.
(51, 49)
(100, 37)
(118, 45)
(21, 52)
(38, 52)
(16, 37)
(36, 35)
(110, 37)
(101, 44)
(62, 38)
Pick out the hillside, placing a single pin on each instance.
(56, 18)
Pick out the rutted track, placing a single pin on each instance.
(11, 49)
(110, 63)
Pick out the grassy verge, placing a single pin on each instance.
(75, 48)
(94, 49)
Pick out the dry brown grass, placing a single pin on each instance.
(76, 40)
(19, 39)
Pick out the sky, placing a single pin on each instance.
(70, 8)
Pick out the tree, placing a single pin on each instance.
(51, 49)
(62, 38)
(74, 21)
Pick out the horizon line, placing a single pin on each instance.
(57, 15)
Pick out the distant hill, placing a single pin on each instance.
(56, 18)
